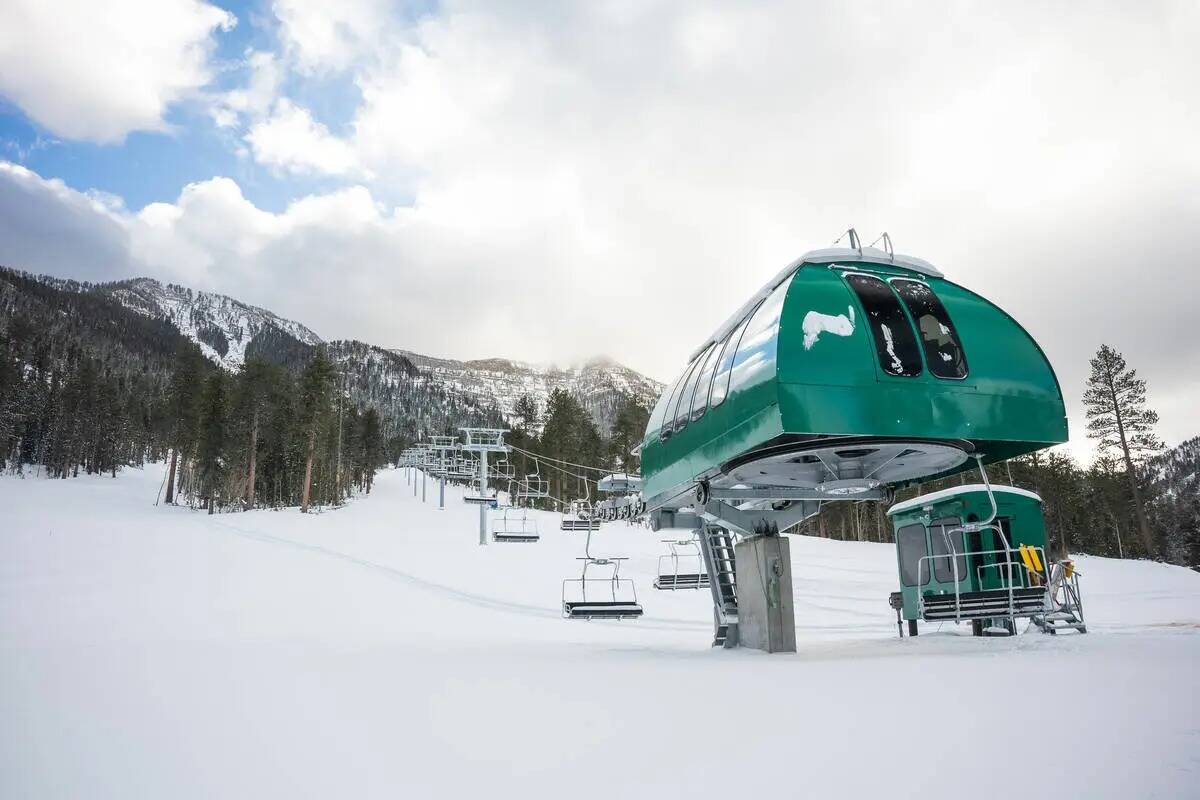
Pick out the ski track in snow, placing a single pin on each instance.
(378, 651)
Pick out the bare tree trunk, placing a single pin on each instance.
(1143, 524)
(253, 460)
(308, 464)
(170, 499)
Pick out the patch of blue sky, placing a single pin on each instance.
(154, 166)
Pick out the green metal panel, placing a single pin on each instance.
(823, 379)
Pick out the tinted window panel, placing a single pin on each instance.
(660, 410)
(939, 532)
(684, 408)
(911, 543)
(943, 353)
(894, 340)
(665, 404)
(700, 397)
(721, 383)
(755, 358)
(673, 409)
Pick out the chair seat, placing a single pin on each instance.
(601, 610)
(987, 603)
(515, 537)
(681, 581)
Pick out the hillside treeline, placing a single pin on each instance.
(265, 436)
(576, 452)
(88, 386)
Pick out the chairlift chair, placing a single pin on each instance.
(580, 516)
(682, 567)
(514, 525)
(533, 486)
(612, 597)
(502, 469)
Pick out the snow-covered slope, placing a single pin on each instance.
(377, 651)
(599, 384)
(222, 326)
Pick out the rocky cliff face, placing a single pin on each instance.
(223, 327)
(599, 384)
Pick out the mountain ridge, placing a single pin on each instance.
(600, 383)
(396, 381)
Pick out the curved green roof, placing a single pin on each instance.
(808, 366)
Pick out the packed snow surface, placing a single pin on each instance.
(379, 651)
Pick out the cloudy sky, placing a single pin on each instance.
(551, 181)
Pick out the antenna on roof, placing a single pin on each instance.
(854, 241)
(887, 245)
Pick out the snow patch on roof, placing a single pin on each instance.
(933, 497)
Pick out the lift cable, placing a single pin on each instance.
(540, 457)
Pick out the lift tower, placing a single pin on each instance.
(442, 444)
(483, 441)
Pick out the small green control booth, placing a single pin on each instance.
(959, 562)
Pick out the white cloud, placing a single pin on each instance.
(254, 100)
(617, 177)
(331, 36)
(291, 140)
(47, 227)
(100, 70)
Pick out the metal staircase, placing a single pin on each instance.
(716, 544)
(1065, 606)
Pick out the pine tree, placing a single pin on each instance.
(252, 396)
(212, 438)
(316, 385)
(371, 442)
(1118, 419)
(628, 430)
(526, 412)
(184, 402)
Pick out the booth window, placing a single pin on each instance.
(943, 353)
(894, 340)
(939, 531)
(910, 541)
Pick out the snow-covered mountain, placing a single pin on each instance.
(410, 402)
(599, 384)
(223, 327)
(421, 391)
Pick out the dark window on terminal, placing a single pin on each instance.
(939, 531)
(894, 340)
(684, 403)
(943, 353)
(911, 543)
